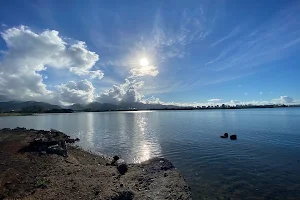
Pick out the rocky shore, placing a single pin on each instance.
(39, 164)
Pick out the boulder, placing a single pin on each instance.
(115, 160)
(122, 168)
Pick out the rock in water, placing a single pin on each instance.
(233, 137)
(224, 136)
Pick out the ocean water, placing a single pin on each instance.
(263, 163)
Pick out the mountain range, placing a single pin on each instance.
(94, 106)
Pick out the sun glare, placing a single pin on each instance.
(144, 62)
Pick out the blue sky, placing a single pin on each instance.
(197, 51)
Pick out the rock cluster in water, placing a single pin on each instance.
(232, 137)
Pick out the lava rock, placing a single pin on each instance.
(125, 195)
(233, 137)
(116, 158)
(122, 168)
(56, 149)
(19, 129)
(224, 136)
(69, 140)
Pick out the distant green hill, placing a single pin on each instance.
(23, 105)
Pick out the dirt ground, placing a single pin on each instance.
(80, 174)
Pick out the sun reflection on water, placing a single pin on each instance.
(148, 145)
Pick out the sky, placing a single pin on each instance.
(201, 52)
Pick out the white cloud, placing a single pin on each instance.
(152, 100)
(233, 33)
(97, 74)
(28, 53)
(284, 100)
(261, 93)
(138, 84)
(76, 92)
(214, 100)
(124, 93)
(144, 71)
(246, 93)
(234, 102)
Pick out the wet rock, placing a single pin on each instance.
(166, 165)
(157, 164)
(224, 136)
(233, 137)
(69, 140)
(54, 131)
(56, 149)
(122, 168)
(19, 129)
(116, 158)
(52, 142)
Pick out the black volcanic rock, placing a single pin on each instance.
(233, 137)
(122, 168)
(224, 136)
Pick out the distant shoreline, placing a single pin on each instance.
(14, 114)
(174, 109)
(171, 109)
(13, 108)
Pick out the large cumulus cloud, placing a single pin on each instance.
(76, 92)
(28, 53)
(124, 93)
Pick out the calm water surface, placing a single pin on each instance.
(264, 163)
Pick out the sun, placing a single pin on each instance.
(144, 62)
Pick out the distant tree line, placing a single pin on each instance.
(39, 109)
